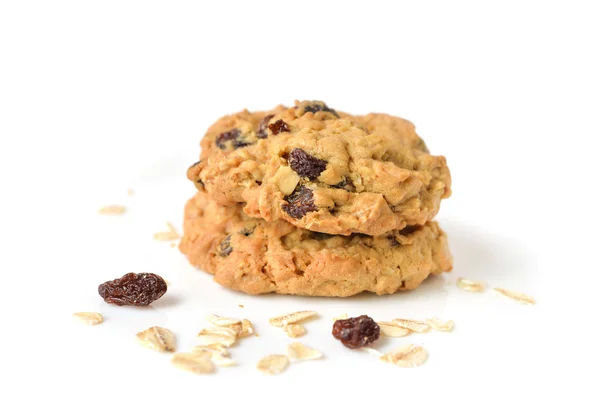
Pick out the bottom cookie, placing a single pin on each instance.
(255, 256)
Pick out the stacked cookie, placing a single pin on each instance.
(310, 201)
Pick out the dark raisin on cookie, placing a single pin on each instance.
(225, 248)
(315, 106)
(247, 231)
(232, 136)
(300, 202)
(392, 241)
(306, 165)
(133, 289)
(409, 230)
(279, 126)
(356, 332)
(346, 184)
(262, 127)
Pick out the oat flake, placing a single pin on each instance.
(299, 352)
(112, 210)
(408, 356)
(341, 316)
(411, 324)
(392, 330)
(297, 316)
(469, 285)
(273, 364)
(90, 318)
(520, 297)
(212, 348)
(294, 330)
(157, 338)
(440, 325)
(198, 363)
(168, 236)
(222, 321)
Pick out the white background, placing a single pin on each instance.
(100, 96)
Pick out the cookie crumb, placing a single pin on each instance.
(240, 305)
(112, 210)
(130, 192)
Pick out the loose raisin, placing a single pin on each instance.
(315, 106)
(232, 136)
(306, 165)
(356, 332)
(346, 184)
(279, 126)
(300, 202)
(133, 289)
(225, 248)
(262, 127)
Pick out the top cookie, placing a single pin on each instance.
(323, 170)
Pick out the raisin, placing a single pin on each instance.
(225, 248)
(346, 184)
(262, 127)
(306, 165)
(409, 230)
(315, 106)
(193, 171)
(356, 332)
(133, 289)
(300, 202)
(232, 136)
(247, 231)
(279, 126)
(392, 240)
